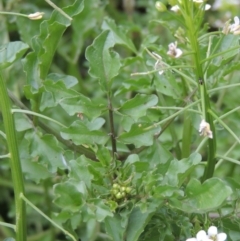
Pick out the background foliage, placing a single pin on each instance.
(111, 156)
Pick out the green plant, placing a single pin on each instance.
(120, 128)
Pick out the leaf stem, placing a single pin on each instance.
(15, 164)
(46, 217)
(9, 225)
(224, 125)
(58, 9)
(15, 14)
(37, 114)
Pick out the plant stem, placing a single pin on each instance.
(113, 138)
(15, 164)
(37, 114)
(192, 35)
(46, 217)
(58, 9)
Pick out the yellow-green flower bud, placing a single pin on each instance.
(118, 195)
(160, 6)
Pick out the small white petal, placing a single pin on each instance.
(178, 53)
(212, 231)
(236, 20)
(201, 235)
(221, 237)
(191, 239)
(175, 8)
(207, 7)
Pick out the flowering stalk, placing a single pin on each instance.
(32, 16)
(15, 164)
(190, 20)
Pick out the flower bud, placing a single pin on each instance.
(160, 6)
(118, 195)
(35, 16)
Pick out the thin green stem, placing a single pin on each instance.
(174, 108)
(5, 156)
(37, 114)
(58, 9)
(224, 87)
(15, 14)
(46, 217)
(3, 135)
(224, 125)
(9, 225)
(225, 155)
(209, 34)
(229, 159)
(173, 115)
(16, 169)
(218, 54)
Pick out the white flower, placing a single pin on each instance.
(235, 28)
(198, 1)
(175, 8)
(173, 51)
(35, 16)
(201, 236)
(204, 129)
(207, 7)
(159, 64)
(214, 235)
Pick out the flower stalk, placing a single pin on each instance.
(15, 165)
(191, 24)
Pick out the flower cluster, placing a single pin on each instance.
(176, 8)
(232, 28)
(211, 235)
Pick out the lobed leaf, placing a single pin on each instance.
(82, 134)
(44, 45)
(201, 198)
(104, 63)
(119, 33)
(11, 52)
(139, 135)
(137, 106)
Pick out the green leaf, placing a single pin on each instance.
(104, 156)
(113, 227)
(11, 52)
(167, 85)
(202, 198)
(22, 122)
(68, 80)
(137, 106)
(70, 100)
(38, 62)
(82, 134)
(104, 63)
(46, 150)
(119, 34)
(179, 170)
(32, 169)
(9, 239)
(68, 197)
(102, 210)
(139, 135)
(138, 221)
